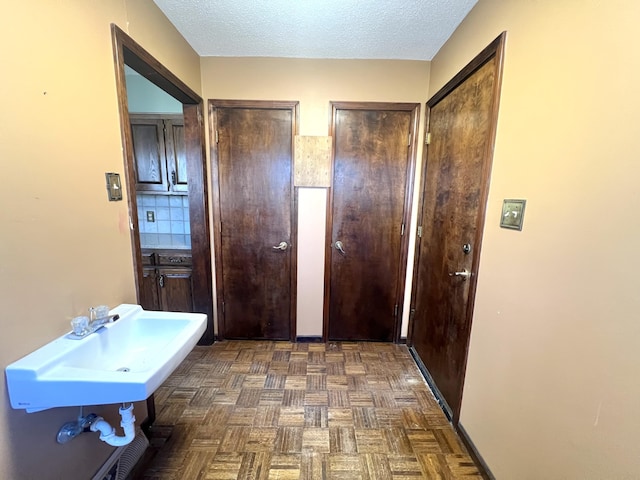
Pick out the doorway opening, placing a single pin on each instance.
(188, 132)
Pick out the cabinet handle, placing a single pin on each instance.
(173, 177)
(161, 281)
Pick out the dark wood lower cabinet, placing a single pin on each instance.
(149, 289)
(167, 287)
(175, 289)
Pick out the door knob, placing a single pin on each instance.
(464, 274)
(340, 247)
(281, 246)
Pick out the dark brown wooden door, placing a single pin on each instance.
(461, 123)
(371, 190)
(256, 267)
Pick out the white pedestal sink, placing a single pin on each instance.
(124, 361)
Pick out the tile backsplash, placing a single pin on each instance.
(171, 228)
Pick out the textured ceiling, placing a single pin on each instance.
(382, 29)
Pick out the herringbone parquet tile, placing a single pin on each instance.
(305, 411)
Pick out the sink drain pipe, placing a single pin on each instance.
(108, 433)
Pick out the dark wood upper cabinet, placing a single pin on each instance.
(176, 158)
(159, 151)
(149, 153)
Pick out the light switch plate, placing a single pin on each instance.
(512, 214)
(114, 188)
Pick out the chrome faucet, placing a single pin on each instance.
(98, 317)
(99, 322)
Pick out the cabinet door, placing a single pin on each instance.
(176, 158)
(149, 152)
(149, 289)
(175, 288)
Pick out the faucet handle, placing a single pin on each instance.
(80, 325)
(101, 311)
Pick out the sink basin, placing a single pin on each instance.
(124, 361)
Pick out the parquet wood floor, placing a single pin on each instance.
(281, 411)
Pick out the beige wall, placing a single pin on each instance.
(552, 384)
(314, 83)
(63, 246)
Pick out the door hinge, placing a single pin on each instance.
(427, 138)
(402, 230)
(410, 136)
(395, 310)
(420, 231)
(222, 307)
(217, 137)
(199, 116)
